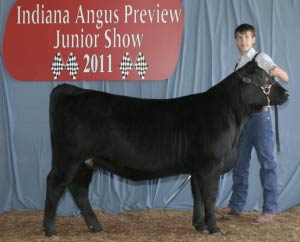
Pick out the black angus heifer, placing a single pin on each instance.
(145, 139)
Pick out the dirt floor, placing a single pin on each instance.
(148, 226)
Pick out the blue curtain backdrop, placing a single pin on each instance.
(208, 54)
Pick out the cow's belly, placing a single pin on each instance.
(137, 170)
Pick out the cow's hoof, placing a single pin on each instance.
(201, 228)
(95, 229)
(49, 230)
(51, 233)
(217, 233)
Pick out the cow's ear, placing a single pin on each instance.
(246, 79)
(253, 65)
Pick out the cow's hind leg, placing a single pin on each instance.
(55, 189)
(57, 181)
(198, 212)
(79, 188)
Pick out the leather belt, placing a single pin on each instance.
(264, 109)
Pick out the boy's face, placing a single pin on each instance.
(245, 41)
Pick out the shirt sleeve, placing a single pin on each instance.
(265, 62)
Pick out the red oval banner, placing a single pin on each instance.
(92, 40)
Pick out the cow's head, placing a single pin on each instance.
(259, 88)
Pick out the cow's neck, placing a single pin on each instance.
(228, 96)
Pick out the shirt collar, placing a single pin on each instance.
(250, 54)
(245, 58)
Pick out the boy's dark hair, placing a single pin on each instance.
(243, 28)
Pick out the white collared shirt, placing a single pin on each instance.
(263, 60)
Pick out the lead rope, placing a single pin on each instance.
(266, 91)
(277, 129)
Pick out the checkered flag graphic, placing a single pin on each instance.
(140, 65)
(58, 65)
(72, 65)
(126, 65)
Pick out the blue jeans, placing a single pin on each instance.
(258, 133)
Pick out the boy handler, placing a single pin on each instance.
(258, 133)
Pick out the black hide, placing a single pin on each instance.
(145, 139)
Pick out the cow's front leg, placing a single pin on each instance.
(209, 189)
(198, 213)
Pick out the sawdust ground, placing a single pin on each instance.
(148, 226)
